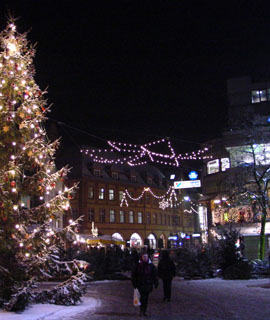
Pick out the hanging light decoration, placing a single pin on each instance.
(138, 155)
(167, 200)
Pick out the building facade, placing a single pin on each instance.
(244, 140)
(123, 202)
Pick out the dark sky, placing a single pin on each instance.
(136, 71)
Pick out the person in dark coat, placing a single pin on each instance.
(166, 271)
(144, 277)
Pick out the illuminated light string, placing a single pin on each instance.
(142, 151)
(127, 194)
(190, 211)
(171, 201)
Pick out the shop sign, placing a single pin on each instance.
(187, 184)
(193, 175)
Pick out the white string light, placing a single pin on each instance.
(141, 151)
(171, 201)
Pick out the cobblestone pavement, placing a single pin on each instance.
(213, 299)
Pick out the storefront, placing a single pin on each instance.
(135, 240)
(152, 241)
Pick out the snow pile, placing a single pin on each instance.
(52, 311)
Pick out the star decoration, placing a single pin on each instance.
(163, 204)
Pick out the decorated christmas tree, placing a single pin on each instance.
(30, 196)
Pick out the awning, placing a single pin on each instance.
(105, 239)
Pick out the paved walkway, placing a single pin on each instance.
(213, 299)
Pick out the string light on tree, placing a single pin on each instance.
(27, 170)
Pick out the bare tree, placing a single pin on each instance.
(250, 173)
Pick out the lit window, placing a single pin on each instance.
(57, 223)
(213, 166)
(259, 96)
(112, 215)
(225, 164)
(101, 194)
(122, 216)
(90, 192)
(131, 217)
(111, 194)
(140, 217)
(121, 194)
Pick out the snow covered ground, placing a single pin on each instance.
(209, 299)
(52, 312)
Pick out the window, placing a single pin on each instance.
(131, 217)
(213, 166)
(91, 214)
(260, 95)
(75, 213)
(165, 219)
(154, 218)
(90, 192)
(57, 223)
(121, 194)
(175, 220)
(111, 194)
(140, 219)
(102, 215)
(149, 180)
(133, 178)
(25, 201)
(112, 215)
(122, 216)
(97, 173)
(160, 218)
(147, 198)
(225, 164)
(115, 175)
(148, 218)
(101, 194)
(73, 194)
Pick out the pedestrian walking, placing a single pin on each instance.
(166, 271)
(144, 277)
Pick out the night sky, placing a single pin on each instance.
(137, 71)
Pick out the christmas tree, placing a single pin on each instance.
(29, 199)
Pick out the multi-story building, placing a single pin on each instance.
(137, 222)
(248, 103)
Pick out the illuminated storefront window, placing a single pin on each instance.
(225, 164)
(213, 166)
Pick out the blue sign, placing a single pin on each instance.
(193, 175)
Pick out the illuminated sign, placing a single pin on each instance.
(187, 184)
(173, 238)
(193, 175)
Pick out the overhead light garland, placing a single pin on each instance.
(138, 155)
